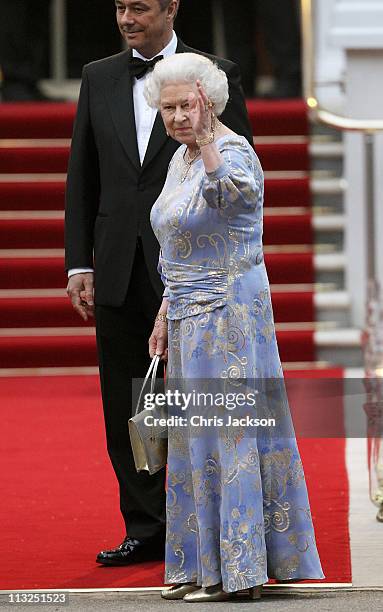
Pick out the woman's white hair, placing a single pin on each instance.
(188, 67)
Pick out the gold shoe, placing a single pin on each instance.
(179, 590)
(255, 592)
(213, 593)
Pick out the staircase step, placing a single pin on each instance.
(32, 195)
(326, 149)
(33, 159)
(47, 351)
(16, 157)
(49, 371)
(275, 153)
(45, 268)
(46, 192)
(340, 346)
(32, 233)
(308, 369)
(52, 120)
(39, 312)
(41, 272)
(40, 231)
(77, 346)
(45, 228)
(37, 120)
(328, 186)
(52, 310)
(272, 118)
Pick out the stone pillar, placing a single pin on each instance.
(329, 58)
(357, 27)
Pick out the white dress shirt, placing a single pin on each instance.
(143, 114)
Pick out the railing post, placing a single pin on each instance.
(218, 29)
(58, 40)
(370, 205)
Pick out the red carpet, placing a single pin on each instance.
(60, 496)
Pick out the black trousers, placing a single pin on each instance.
(122, 340)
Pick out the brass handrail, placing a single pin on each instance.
(308, 71)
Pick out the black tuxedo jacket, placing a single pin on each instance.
(109, 194)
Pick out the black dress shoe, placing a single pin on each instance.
(133, 551)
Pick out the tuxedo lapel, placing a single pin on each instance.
(120, 99)
(158, 137)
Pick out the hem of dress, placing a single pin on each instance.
(250, 585)
(201, 585)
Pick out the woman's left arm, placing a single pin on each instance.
(234, 186)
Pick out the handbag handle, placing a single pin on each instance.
(151, 371)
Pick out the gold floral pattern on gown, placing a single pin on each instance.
(237, 504)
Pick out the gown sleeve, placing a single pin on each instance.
(237, 184)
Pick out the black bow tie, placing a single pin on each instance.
(138, 67)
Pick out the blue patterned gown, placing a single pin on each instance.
(237, 504)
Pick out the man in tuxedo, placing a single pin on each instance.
(119, 159)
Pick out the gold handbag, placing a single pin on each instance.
(149, 442)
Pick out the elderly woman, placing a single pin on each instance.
(237, 506)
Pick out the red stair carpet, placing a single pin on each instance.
(60, 499)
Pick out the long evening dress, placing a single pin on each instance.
(237, 504)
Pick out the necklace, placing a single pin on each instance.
(188, 163)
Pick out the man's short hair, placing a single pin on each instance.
(165, 3)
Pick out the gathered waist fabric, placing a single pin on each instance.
(193, 289)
